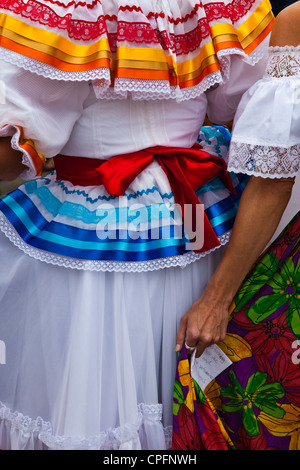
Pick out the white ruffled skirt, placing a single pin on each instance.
(89, 356)
(87, 325)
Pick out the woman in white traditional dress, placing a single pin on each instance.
(96, 269)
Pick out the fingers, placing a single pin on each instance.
(190, 340)
(199, 335)
(200, 349)
(189, 349)
(181, 334)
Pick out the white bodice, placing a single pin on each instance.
(67, 118)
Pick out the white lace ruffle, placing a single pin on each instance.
(104, 266)
(225, 55)
(283, 62)
(161, 90)
(24, 423)
(47, 71)
(125, 437)
(37, 432)
(140, 89)
(284, 48)
(264, 160)
(15, 134)
(146, 90)
(265, 137)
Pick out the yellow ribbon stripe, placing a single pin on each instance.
(135, 62)
(40, 36)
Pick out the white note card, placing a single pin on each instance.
(209, 365)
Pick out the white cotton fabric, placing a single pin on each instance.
(84, 362)
(266, 139)
(67, 118)
(41, 107)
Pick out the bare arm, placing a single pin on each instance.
(286, 30)
(260, 210)
(261, 207)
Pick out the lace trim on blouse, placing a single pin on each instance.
(40, 431)
(15, 133)
(145, 48)
(265, 161)
(284, 62)
(269, 160)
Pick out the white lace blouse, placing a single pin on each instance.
(102, 78)
(67, 118)
(266, 131)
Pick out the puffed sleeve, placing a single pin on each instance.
(222, 100)
(266, 130)
(38, 113)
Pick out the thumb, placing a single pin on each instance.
(181, 334)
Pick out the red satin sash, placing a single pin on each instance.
(186, 169)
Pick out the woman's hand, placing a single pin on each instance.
(205, 323)
(262, 204)
(261, 207)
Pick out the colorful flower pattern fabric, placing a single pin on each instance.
(254, 404)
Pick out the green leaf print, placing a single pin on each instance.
(256, 394)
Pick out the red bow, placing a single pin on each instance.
(186, 169)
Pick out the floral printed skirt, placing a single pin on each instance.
(254, 404)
